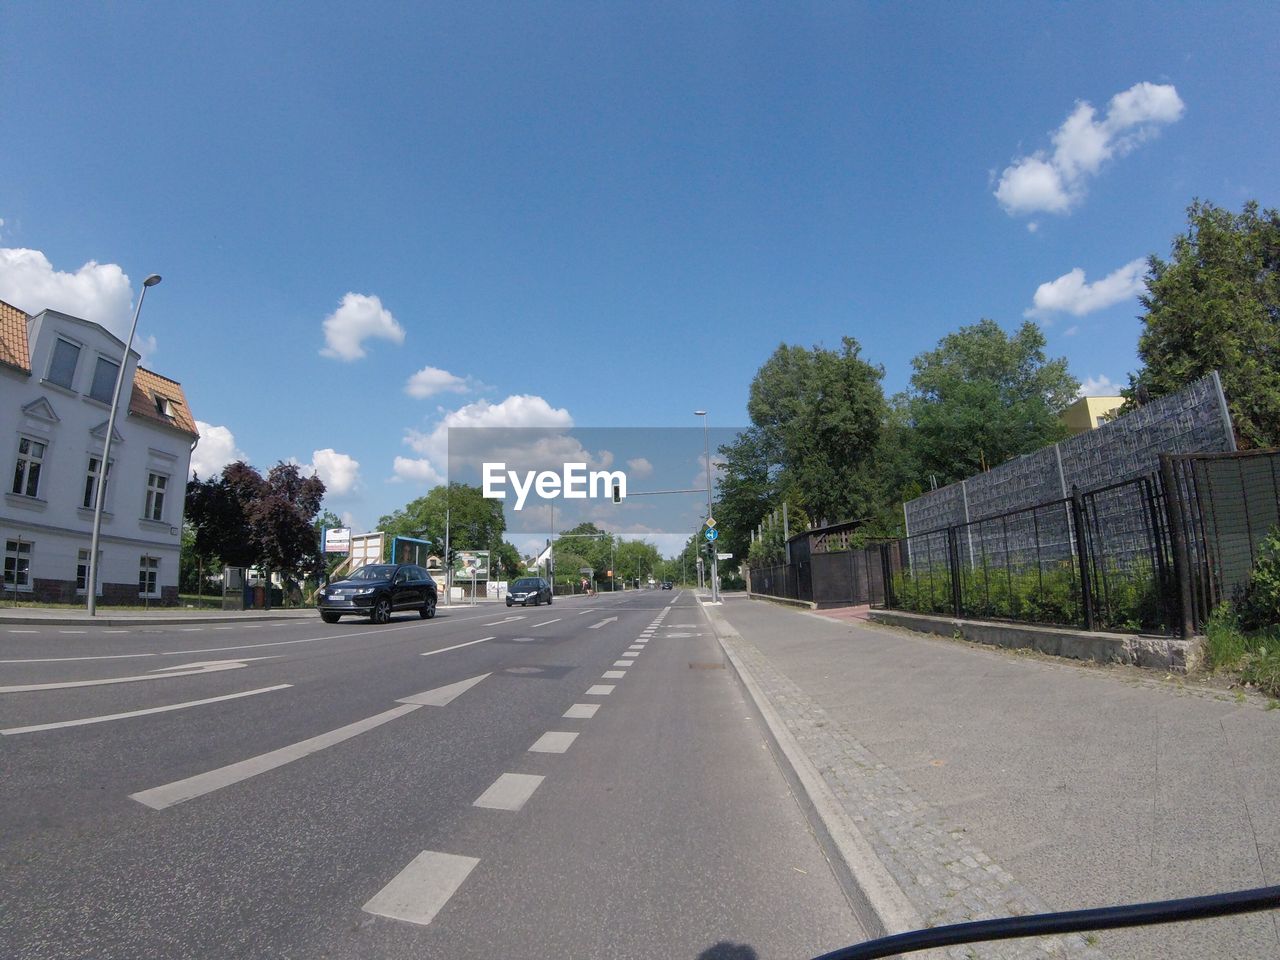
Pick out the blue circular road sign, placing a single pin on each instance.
(712, 535)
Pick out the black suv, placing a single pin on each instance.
(529, 590)
(376, 589)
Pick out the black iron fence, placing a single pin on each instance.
(1153, 554)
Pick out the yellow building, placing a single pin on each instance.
(1089, 413)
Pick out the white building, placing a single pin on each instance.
(56, 377)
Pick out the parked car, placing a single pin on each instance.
(667, 585)
(376, 590)
(529, 590)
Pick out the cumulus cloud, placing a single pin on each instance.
(639, 468)
(1070, 293)
(416, 471)
(217, 448)
(1099, 386)
(515, 412)
(339, 472)
(357, 319)
(432, 380)
(99, 292)
(1054, 182)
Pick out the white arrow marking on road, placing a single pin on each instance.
(36, 728)
(181, 670)
(597, 626)
(180, 790)
(443, 696)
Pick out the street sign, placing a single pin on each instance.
(712, 535)
(711, 523)
(724, 556)
(584, 570)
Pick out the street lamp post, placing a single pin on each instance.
(100, 485)
(706, 454)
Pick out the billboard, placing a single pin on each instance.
(471, 564)
(337, 540)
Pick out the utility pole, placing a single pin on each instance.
(448, 560)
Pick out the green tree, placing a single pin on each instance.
(984, 396)
(475, 523)
(1215, 305)
(818, 414)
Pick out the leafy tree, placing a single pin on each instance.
(984, 396)
(1215, 305)
(746, 492)
(819, 415)
(475, 523)
(281, 520)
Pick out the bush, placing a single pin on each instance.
(1259, 605)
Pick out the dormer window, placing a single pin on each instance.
(164, 407)
(62, 365)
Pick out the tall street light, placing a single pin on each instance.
(103, 467)
(706, 455)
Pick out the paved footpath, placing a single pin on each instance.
(984, 783)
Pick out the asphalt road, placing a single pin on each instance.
(580, 780)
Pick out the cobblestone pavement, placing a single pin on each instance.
(948, 878)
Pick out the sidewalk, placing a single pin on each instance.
(989, 783)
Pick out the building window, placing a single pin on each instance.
(91, 483)
(17, 565)
(26, 475)
(156, 483)
(148, 570)
(104, 380)
(62, 367)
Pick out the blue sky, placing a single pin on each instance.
(376, 220)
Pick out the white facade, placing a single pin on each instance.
(53, 420)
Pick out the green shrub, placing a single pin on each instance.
(1259, 604)
(1262, 669)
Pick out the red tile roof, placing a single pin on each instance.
(14, 349)
(150, 390)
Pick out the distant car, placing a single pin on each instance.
(376, 590)
(529, 590)
(667, 585)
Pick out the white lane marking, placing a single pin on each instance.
(179, 670)
(511, 791)
(73, 631)
(545, 622)
(281, 643)
(115, 631)
(224, 628)
(638, 645)
(597, 626)
(506, 620)
(191, 630)
(554, 741)
(114, 656)
(622, 663)
(629, 654)
(443, 696)
(600, 690)
(158, 798)
(582, 612)
(24, 631)
(421, 889)
(456, 646)
(36, 728)
(613, 675)
(581, 711)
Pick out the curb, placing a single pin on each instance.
(783, 601)
(878, 902)
(127, 621)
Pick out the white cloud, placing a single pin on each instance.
(1071, 331)
(639, 468)
(340, 472)
(1099, 386)
(416, 471)
(217, 448)
(99, 292)
(1055, 182)
(517, 411)
(358, 318)
(1071, 294)
(432, 380)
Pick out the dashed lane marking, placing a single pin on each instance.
(554, 741)
(613, 675)
(421, 889)
(581, 711)
(545, 622)
(511, 791)
(456, 646)
(622, 663)
(600, 690)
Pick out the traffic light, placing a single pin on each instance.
(617, 493)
